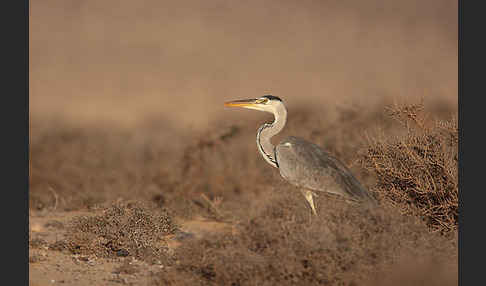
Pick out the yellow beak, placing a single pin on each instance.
(241, 103)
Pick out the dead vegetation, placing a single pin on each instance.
(76, 167)
(218, 175)
(125, 229)
(418, 172)
(280, 245)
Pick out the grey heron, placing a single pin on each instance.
(302, 163)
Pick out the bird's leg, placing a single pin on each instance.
(308, 196)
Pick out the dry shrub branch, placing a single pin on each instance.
(417, 172)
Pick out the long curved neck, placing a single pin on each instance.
(267, 131)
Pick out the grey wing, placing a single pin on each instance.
(306, 165)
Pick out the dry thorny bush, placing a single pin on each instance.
(418, 172)
(124, 229)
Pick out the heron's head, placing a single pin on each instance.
(267, 103)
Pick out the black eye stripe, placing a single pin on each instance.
(271, 97)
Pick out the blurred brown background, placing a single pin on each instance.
(124, 60)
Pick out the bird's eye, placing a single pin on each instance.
(263, 100)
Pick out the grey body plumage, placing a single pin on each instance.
(306, 165)
(302, 163)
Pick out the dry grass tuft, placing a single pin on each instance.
(125, 229)
(418, 173)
